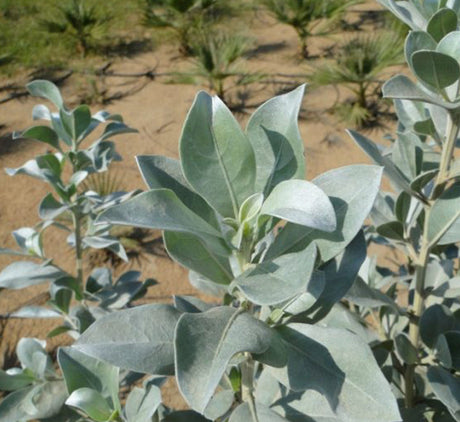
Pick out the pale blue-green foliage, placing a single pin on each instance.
(219, 208)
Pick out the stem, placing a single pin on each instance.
(78, 247)
(247, 387)
(447, 151)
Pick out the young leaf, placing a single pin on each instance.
(91, 403)
(301, 202)
(341, 367)
(275, 281)
(46, 89)
(205, 343)
(274, 135)
(217, 158)
(147, 346)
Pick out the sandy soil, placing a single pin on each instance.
(158, 111)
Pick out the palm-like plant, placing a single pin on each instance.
(358, 66)
(218, 57)
(309, 17)
(181, 16)
(80, 21)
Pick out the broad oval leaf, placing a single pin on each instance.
(301, 202)
(450, 45)
(435, 69)
(441, 23)
(43, 134)
(340, 366)
(274, 135)
(217, 158)
(205, 343)
(278, 280)
(139, 339)
(352, 201)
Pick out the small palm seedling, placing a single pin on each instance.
(218, 57)
(81, 22)
(309, 17)
(358, 66)
(183, 17)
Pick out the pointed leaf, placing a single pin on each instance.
(217, 158)
(24, 274)
(274, 135)
(341, 367)
(205, 343)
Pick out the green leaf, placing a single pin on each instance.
(416, 41)
(205, 343)
(81, 116)
(13, 379)
(147, 346)
(362, 294)
(43, 134)
(339, 275)
(243, 413)
(444, 217)
(446, 387)
(301, 202)
(405, 349)
(199, 255)
(83, 371)
(352, 201)
(453, 343)
(161, 172)
(19, 275)
(340, 366)
(275, 281)
(217, 158)
(50, 208)
(392, 230)
(158, 209)
(46, 89)
(91, 403)
(142, 404)
(274, 135)
(114, 129)
(436, 320)
(441, 23)
(435, 69)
